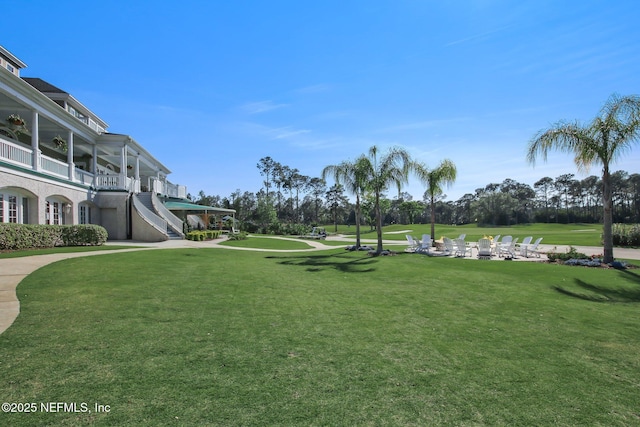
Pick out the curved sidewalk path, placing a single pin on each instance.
(13, 270)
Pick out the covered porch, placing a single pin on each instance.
(209, 216)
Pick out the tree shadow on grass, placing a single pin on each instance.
(598, 293)
(315, 263)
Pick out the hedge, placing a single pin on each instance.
(32, 236)
(626, 234)
(203, 235)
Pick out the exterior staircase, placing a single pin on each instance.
(145, 198)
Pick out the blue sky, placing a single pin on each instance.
(210, 87)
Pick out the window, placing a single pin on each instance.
(13, 208)
(25, 210)
(10, 68)
(55, 212)
(84, 214)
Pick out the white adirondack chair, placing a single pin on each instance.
(413, 244)
(522, 247)
(496, 243)
(449, 247)
(461, 248)
(509, 249)
(425, 244)
(532, 249)
(506, 241)
(484, 249)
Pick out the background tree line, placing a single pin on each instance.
(288, 197)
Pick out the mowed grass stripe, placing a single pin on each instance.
(211, 337)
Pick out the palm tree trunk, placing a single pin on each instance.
(357, 221)
(379, 224)
(433, 219)
(607, 220)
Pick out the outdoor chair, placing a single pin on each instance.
(522, 246)
(461, 248)
(494, 246)
(484, 249)
(449, 248)
(506, 240)
(508, 248)
(413, 244)
(425, 244)
(532, 249)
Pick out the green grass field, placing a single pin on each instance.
(269, 242)
(62, 250)
(222, 337)
(552, 234)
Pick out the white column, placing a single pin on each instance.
(123, 164)
(34, 140)
(72, 166)
(94, 160)
(137, 168)
(136, 173)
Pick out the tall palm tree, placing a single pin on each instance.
(603, 141)
(443, 175)
(392, 168)
(351, 175)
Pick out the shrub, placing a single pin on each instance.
(583, 262)
(238, 236)
(32, 236)
(626, 234)
(203, 235)
(84, 234)
(571, 254)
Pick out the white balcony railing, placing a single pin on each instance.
(22, 156)
(109, 182)
(14, 153)
(83, 177)
(54, 167)
(174, 190)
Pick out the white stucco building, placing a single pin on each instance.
(60, 165)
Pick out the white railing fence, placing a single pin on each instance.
(83, 177)
(153, 219)
(14, 153)
(54, 166)
(172, 220)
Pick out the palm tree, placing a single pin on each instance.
(351, 175)
(444, 174)
(603, 141)
(392, 168)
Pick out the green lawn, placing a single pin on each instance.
(552, 234)
(215, 337)
(268, 242)
(62, 250)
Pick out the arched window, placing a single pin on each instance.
(84, 213)
(56, 211)
(13, 207)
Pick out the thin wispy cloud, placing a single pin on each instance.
(261, 107)
(477, 36)
(313, 89)
(423, 124)
(287, 132)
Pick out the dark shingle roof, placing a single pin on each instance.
(42, 86)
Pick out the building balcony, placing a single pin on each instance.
(23, 157)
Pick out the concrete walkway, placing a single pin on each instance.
(13, 270)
